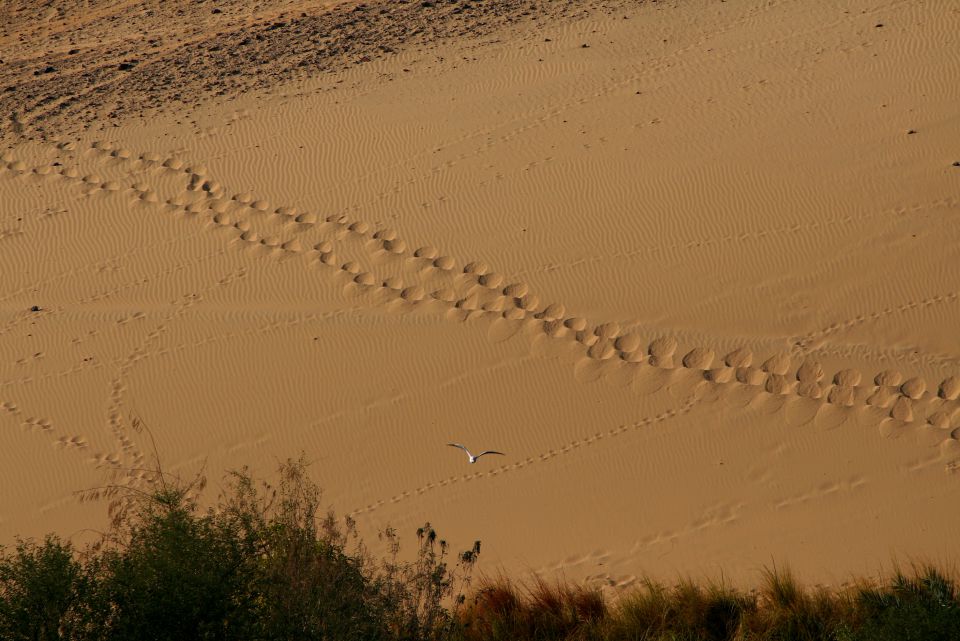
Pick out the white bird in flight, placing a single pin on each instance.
(473, 459)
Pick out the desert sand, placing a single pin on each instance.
(693, 266)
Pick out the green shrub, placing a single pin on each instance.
(175, 575)
(39, 585)
(925, 607)
(302, 583)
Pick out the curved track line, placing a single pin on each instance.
(531, 460)
(404, 277)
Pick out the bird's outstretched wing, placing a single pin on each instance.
(490, 452)
(469, 455)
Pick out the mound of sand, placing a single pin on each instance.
(688, 264)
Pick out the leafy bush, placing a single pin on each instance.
(925, 607)
(39, 584)
(265, 563)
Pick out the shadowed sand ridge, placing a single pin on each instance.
(72, 63)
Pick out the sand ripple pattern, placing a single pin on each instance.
(376, 266)
(532, 460)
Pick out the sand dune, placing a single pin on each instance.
(692, 266)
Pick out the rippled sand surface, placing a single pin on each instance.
(693, 266)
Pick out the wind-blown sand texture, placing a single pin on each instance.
(692, 265)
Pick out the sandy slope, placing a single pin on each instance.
(686, 264)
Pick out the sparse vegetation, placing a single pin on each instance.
(264, 563)
(922, 605)
(267, 563)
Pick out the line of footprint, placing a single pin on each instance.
(151, 344)
(663, 249)
(845, 390)
(115, 417)
(514, 303)
(805, 343)
(604, 342)
(42, 425)
(475, 289)
(531, 460)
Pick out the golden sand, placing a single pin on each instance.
(693, 266)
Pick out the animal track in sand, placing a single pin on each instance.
(150, 346)
(78, 442)
(669, 249)
(37, 424)
(376, 262)
(531, 460)
(99, 460)
(42, 425)
(469, 303)
(807, 342)
(716, 516)
(80, 367)
(820, 492)
(148, 196)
